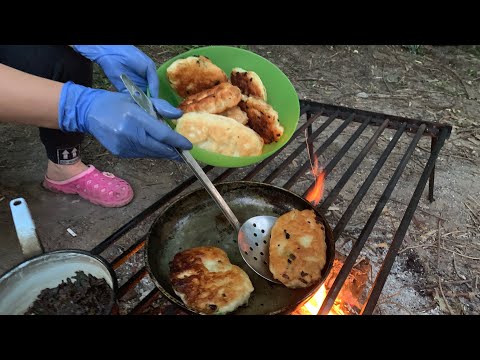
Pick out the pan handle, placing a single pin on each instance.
(25, 228)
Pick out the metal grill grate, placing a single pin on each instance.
(284, 166)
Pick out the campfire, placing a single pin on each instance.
(315, 196)
(313, 305)
(349, 299)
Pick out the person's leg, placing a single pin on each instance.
(62, 63)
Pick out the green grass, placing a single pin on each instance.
(100, 81)
(414, 49)
(474, 50)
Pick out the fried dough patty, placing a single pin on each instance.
(194, 74)
(249, 82)
(237, 114)
(214, 100)
(262, 118)
(298, 251)
(207, 282)
(219, 134)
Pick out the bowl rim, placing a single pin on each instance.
(220, 159)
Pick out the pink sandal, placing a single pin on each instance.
(100, 188)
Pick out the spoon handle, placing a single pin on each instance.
(146, 104)
(208, 185)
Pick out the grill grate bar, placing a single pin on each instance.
(353, 166)
(132, 282)
(132, 250)
(148, 211)
(331, 165)
(402, 229)
(341, 153)
(298, 150)
(320, 150)
(367, 229)
(264, 163)
(308, 135)
(432, 128)
(224, 175)
(368, 182)
(145, 302)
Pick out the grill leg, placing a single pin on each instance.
(431, 180)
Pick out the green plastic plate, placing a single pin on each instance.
(281, 95)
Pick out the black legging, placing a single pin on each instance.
(55, 62)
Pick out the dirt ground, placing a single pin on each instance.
(438, 268)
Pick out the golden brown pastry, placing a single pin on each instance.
(214, 100)
(194, 74)
(237, 114)
(262, 118)
(219, 134)
(249, 83)
(298, 251)
(207, 282)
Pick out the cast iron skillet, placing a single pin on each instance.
(195, 220)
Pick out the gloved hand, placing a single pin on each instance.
(119, 123)
(126, 59)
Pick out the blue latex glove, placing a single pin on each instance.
(119, 123)
(126, 59)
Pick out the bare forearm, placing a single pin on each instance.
(28, 99)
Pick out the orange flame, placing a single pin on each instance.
(313, 305)
(316, 193)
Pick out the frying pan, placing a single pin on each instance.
(195, 220)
